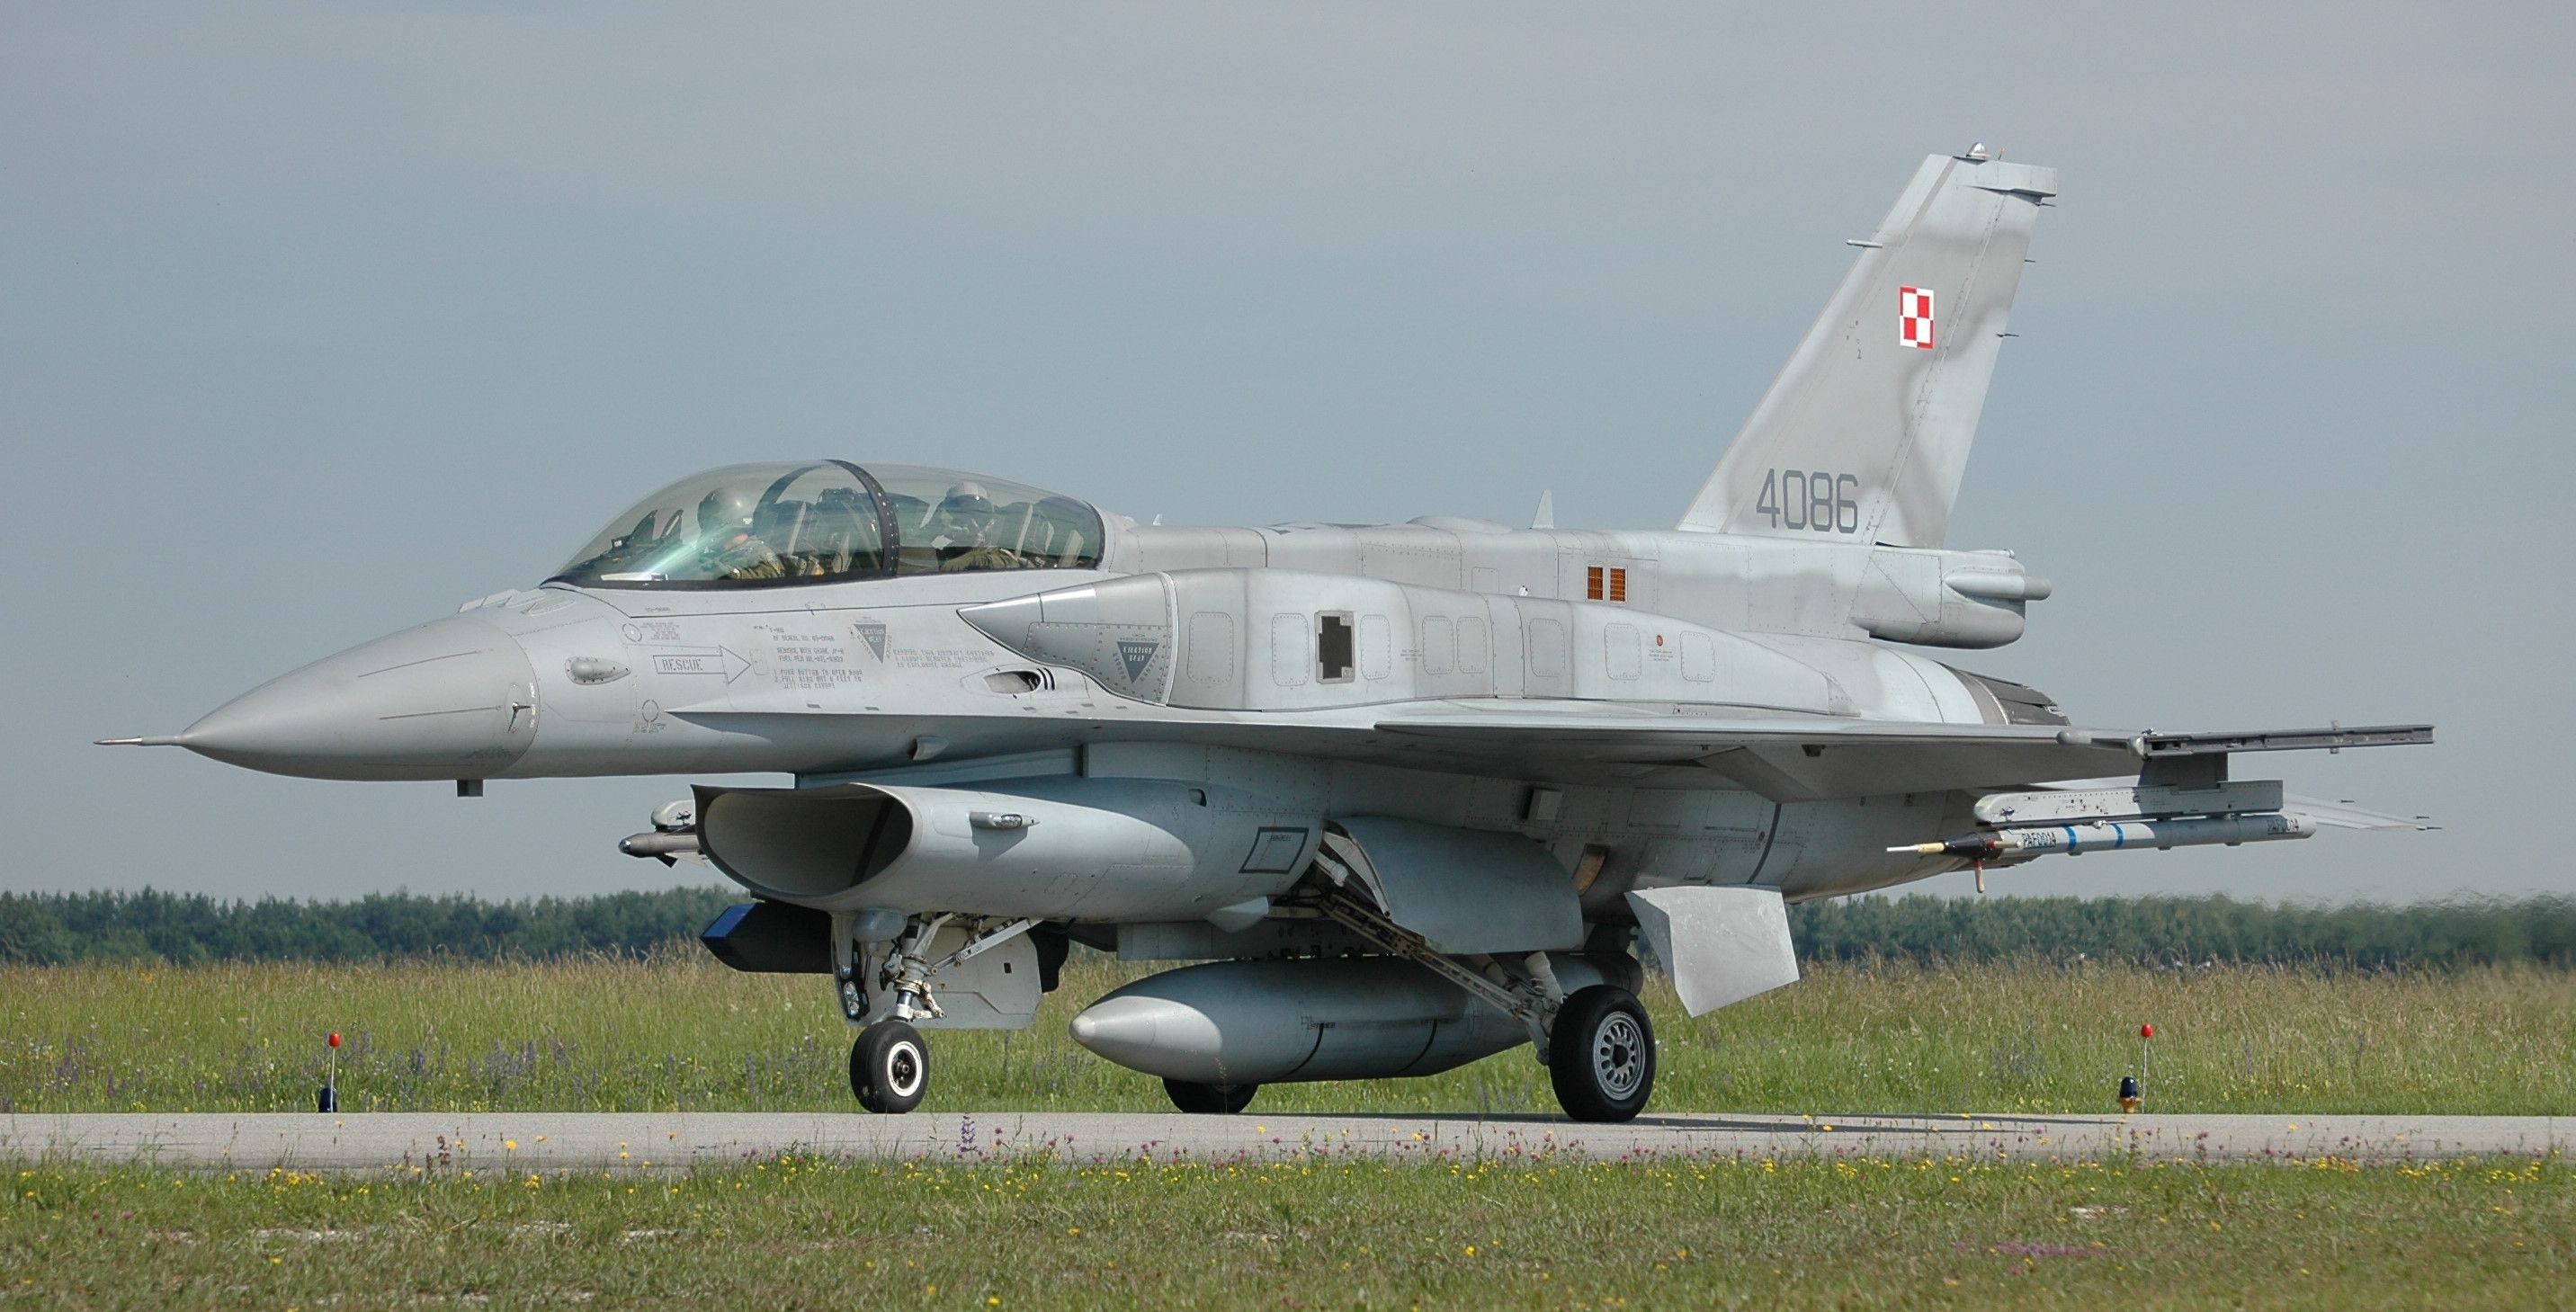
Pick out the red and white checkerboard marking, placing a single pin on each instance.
(1914, 317)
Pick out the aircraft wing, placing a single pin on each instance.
(1807, 758)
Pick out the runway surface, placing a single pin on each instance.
(554, 1141)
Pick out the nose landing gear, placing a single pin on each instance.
(890, 1062)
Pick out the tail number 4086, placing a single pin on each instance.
(1812, 499)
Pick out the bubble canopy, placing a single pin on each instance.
(829, 521)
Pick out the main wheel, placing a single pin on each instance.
(1210, 1099)
(889, 1067)
(1601, 1054)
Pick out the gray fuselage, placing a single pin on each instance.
(885, 680)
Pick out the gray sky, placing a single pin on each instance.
(316, 321)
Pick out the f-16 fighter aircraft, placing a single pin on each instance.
(1411, 794)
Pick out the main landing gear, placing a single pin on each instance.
(1601, 1054)
(1596, 1041)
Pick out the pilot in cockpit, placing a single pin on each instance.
(729, 544)
(965, 523)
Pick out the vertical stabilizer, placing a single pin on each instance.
(1865, 433)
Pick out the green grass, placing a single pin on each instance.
(1488, 1234)
(681, 1032)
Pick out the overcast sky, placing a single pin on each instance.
(316, 321)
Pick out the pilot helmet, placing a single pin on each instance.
(727, 510)
(966, 509)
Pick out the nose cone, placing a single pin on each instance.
(452, 699)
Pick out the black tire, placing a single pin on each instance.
(890, 1067)
(1210, 1099)
(1601, 1055)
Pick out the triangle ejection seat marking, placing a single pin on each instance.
(874, 635)
(1136, 654)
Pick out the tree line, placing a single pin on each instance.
(2189, 931)
(183, 928)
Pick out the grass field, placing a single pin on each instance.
(1526, 1233)
(680, 1032)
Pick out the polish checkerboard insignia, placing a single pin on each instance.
(1914, 317)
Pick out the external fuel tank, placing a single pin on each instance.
(1275, 1022)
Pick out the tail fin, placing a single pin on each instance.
(1865, 433)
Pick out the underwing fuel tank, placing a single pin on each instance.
(1278, 1022)
(1051, 848)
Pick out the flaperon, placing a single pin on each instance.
(1412, 793)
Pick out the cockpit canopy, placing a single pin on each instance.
(830, 521)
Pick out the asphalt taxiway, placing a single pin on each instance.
(556, 1141)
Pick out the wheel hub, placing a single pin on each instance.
(1618, 1048)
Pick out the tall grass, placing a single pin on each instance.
(1536, 1232)
(188, 928)
(676, 1031)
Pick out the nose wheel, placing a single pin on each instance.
(1601, 1054)
(890, 1067)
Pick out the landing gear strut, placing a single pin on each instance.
(1598, 1046)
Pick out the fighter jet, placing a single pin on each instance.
(1410, 794)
